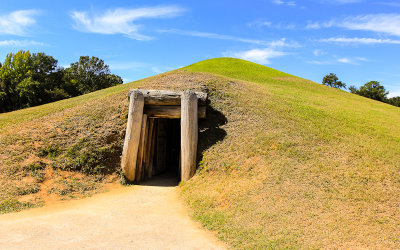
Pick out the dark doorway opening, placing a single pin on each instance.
(165, 153)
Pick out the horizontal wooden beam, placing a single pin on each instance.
(160, 111)
(167, 97)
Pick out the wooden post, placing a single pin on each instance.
(149, 140)
(132, 136)
(153, 150)
(189, 134)
(142, 146)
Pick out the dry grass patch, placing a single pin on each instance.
(72, 152)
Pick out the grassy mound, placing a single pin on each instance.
(283, 162)
(302, 166)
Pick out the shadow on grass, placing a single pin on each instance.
(210, 132)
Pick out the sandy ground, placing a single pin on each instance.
(150, 216)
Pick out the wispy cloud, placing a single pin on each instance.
(391, 4)
(382, 23)
(261, 56)
(319, 52)
(162, 69)
(21, 43)
(342, 1)
(17, 22)
(277, 43)
(354, 60)
(394, 93)
(121, 21)
(339, 60)
(282, 2)
(358, 40)
(318, 25)
(267, 24)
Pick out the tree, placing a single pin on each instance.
(89, 74)
(373, 90)
(29, 79)
(331, 80)
(395, 101)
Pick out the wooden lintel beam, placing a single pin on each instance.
(167, 97)
(169, 111)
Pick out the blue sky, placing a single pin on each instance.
(359, 40)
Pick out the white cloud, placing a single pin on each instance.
(267, 24)
(278, 43)
(260, 24)
(21, 43)
(282, 2)
(361, 40)
(17, 22)
(343, 1)
(392, 4)
(394, 93)
(354, 61)
(319, 62)
(121, 21)
(159, 70)
(261, 56)
(383, 23)
(319, 52)
(318, 25)
(345, 60)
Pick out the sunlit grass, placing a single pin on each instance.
(303, 165)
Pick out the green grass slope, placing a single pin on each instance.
(302, 166)
(283, 162)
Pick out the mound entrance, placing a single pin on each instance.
(162, 133)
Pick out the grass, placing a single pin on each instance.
(284, 162)
(303, 165)
(20, 116)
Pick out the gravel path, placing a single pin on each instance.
(149, 216)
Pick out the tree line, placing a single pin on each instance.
(30, 79)
(372, 89)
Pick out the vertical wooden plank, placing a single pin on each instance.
(149, 145)
(132, 136)
(189, 134)
(142, 146)
(152, 163)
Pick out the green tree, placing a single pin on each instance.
(332, 80)
(89, 74)
(32, 79)
(395, 101)
(374, 90)
(14, 70)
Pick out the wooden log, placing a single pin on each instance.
(189, 134)
(142, 146)
(132, 136)
(167, 97)
(153, 149)
(161, 111)
(149, 140)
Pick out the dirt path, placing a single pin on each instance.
(136, 217)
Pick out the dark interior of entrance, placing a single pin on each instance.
(165, 153)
